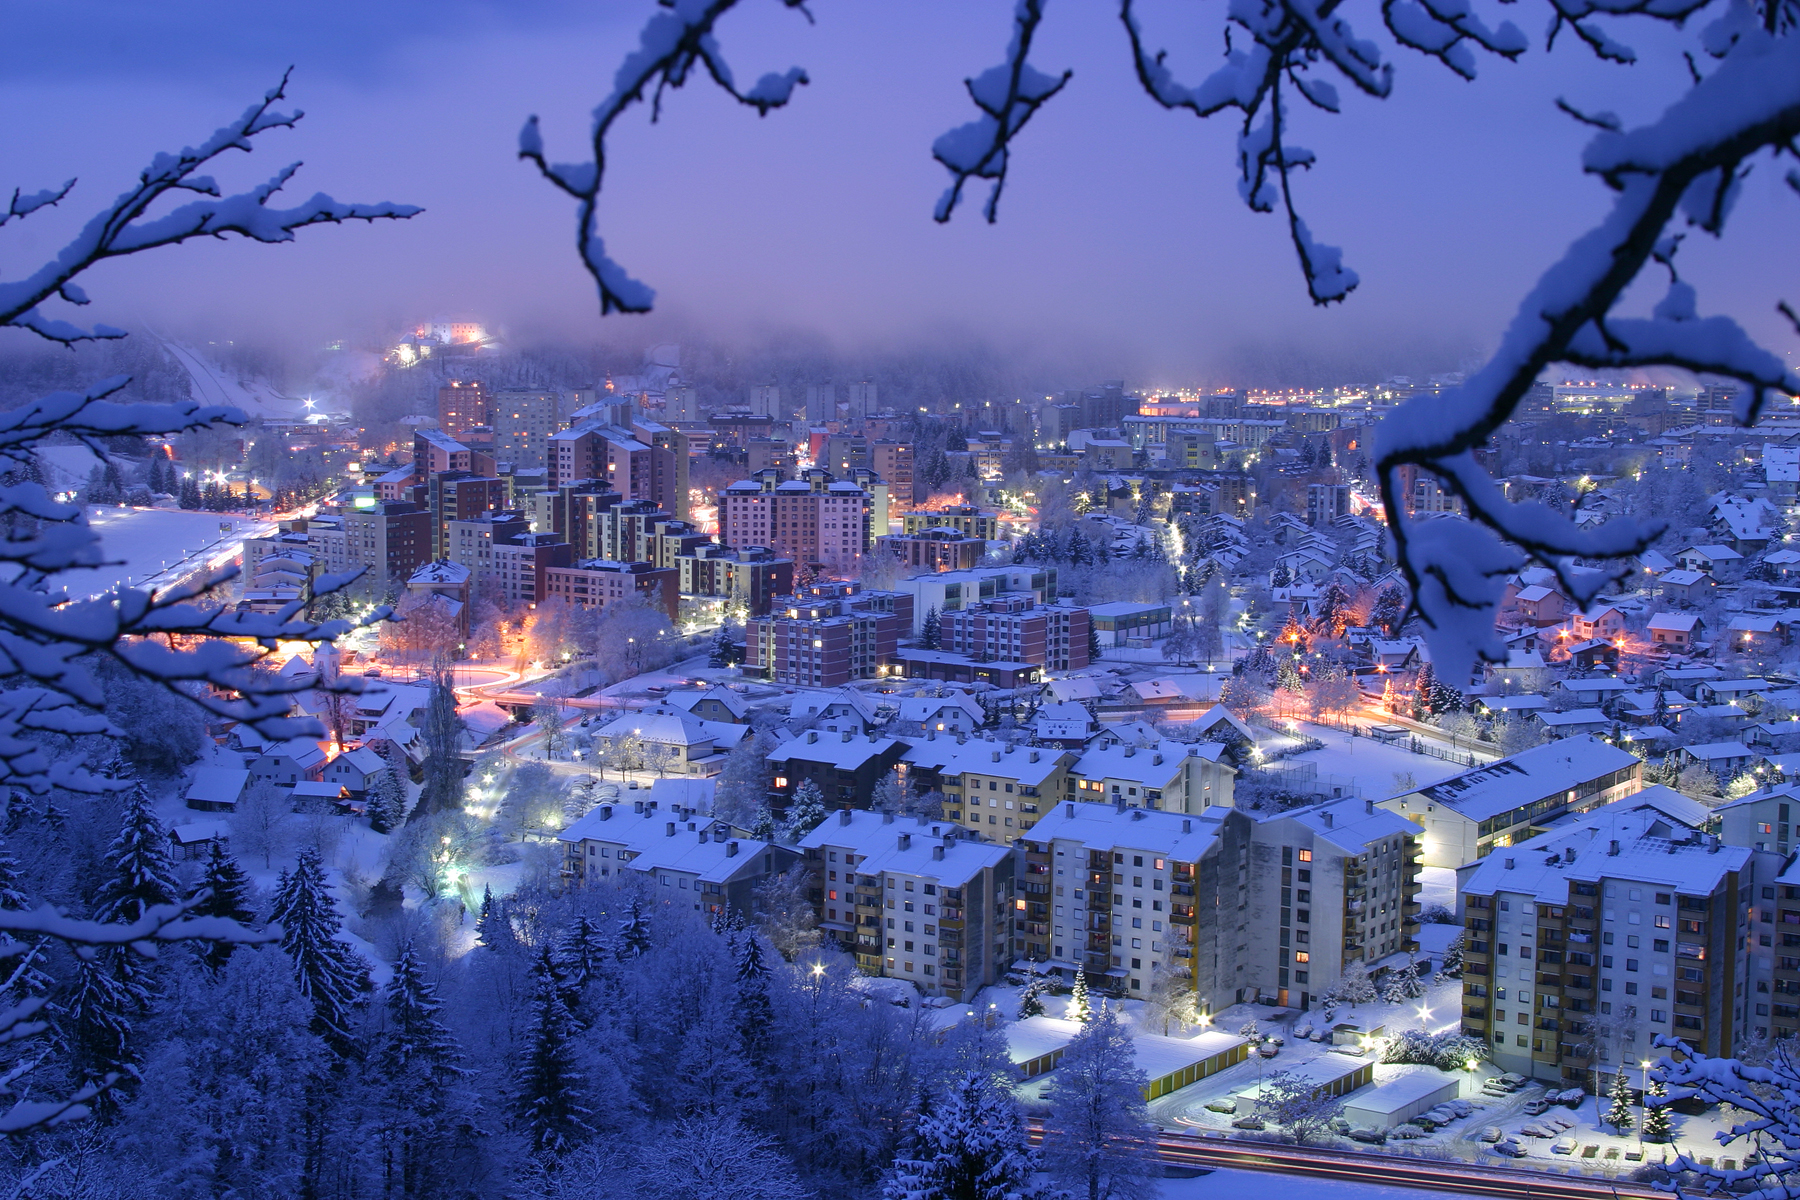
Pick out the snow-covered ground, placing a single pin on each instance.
(1256, 1185)
(1365, 767)
(156, 546)
(211, 383)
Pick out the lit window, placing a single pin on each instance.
(1306, 856)
(1301, 956)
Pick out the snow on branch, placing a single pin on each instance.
(1007, 96)
(674, 42)
(1765, 1104)
(127, 227)
(1682, 166)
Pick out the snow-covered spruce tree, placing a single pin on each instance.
(1683, 168)
(387, 801)
(1403, 984)
(1619, 1114)
(330, 974)
(804, 811)
(742, 792)
(755, 1006)
(1354, 987)
(1031, 996)
(1452, 967)
(1079, 1007)
(548, 1102)
(1097, 1140)
(580, 955)
(969, 1143)
(634, 930)
(442, 738)
(223, 890)
(931, 635)
(1657, 1126)
(99, 1013)
(140, 871)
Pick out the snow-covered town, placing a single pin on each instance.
(1039, 706)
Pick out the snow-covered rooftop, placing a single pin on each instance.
(1176, 835)
(901, 846)
(1533, 774)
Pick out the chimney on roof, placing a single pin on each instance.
(1071, 808)
(937, 853)
(931, 735)
(1612, 847)
(671, 830)
(690, 825)
(1369, 807)
(606, 812)
(731, 849)
(906, 841)
(1327, 816)
(1034, 756)
(887, 818)
(637, 806)
(1187, 826)
(843, 816)
(994, 755)
(1119, 803)
(1509, 864)
(844, 736)
(703, 837)
(1130, 751)
(1156, 760)
(812, 735)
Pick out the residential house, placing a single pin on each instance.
(1689, 588)
(688, 861)
(999, 789)
(286, 763)
(1575, 722)
(953, 712)
(1188, 777)
(669, 741)
(1676, 632)
(355, 770)
(845, 766)
(1541, 606)
(1066, 724)
(1721, 758)
(216, 789)
(712, 704)
(1721, 562)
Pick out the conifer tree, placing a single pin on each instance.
(1097, 1138)
(1657, 1127)
(1031, 997)
(413, 1038)
(98, 1017)
(763, 828)
(548, 1103)
(24, 975)
(1619, 1115)
(756, 1012)
(580, 954)
(141, 872)
(931, 634)
(634, 931)
(387, 801)
(1079, 1007)
(805, 811)
(969, 1143)
(484, 920)
(328, 971)
(227, 894)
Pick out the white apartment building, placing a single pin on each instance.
(913, 899)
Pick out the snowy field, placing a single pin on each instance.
(158, 545)
(1368, 768)
(1257, 1185)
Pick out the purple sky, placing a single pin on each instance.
(1121, 237)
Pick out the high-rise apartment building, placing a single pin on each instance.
(524, 419)
(821, 403)
(753, 578)
(462, 406)
(459, 496)
(765, 400)
(860, 401)
(595, 584)
(645, 462)
(893, 461)
(811, 520)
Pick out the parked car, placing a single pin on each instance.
(1510, 1149)
(1490, 1133)
(1563, 1145)
(1221, 1106)
(1374, 1137)
(1535, 1107)
(1250, 1122)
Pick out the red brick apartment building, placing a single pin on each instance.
(834, 633)
(1018, 629)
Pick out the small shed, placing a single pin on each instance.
(1401, 1093)
(217, 789)
(319, 797)
(195, 839)
(1036, 1044)
(1172, 1062)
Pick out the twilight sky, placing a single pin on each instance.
(1121, 239)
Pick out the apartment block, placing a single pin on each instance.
(753, 578)
(647, 462)
(846, 765)
(1491, 807)
(520, 565)
(687, 859)
(966, 519)
(471, 542)
(1121, 892)
(932, 549)
(1328, 886)
(913, 900)
(893, 461)
(1015, 628)
(832, 634)
(524, 420)
(462, 406)
(811, 520)
(435, 451)
(459, 496)
(995, 789)
(954, 591)
(1186, 777)
(1586, 943)
(597, 583)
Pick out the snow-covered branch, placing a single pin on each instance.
(1682, 166)
(674, 42)
(127, 227)
(1766, 1100)
(1007, 96)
